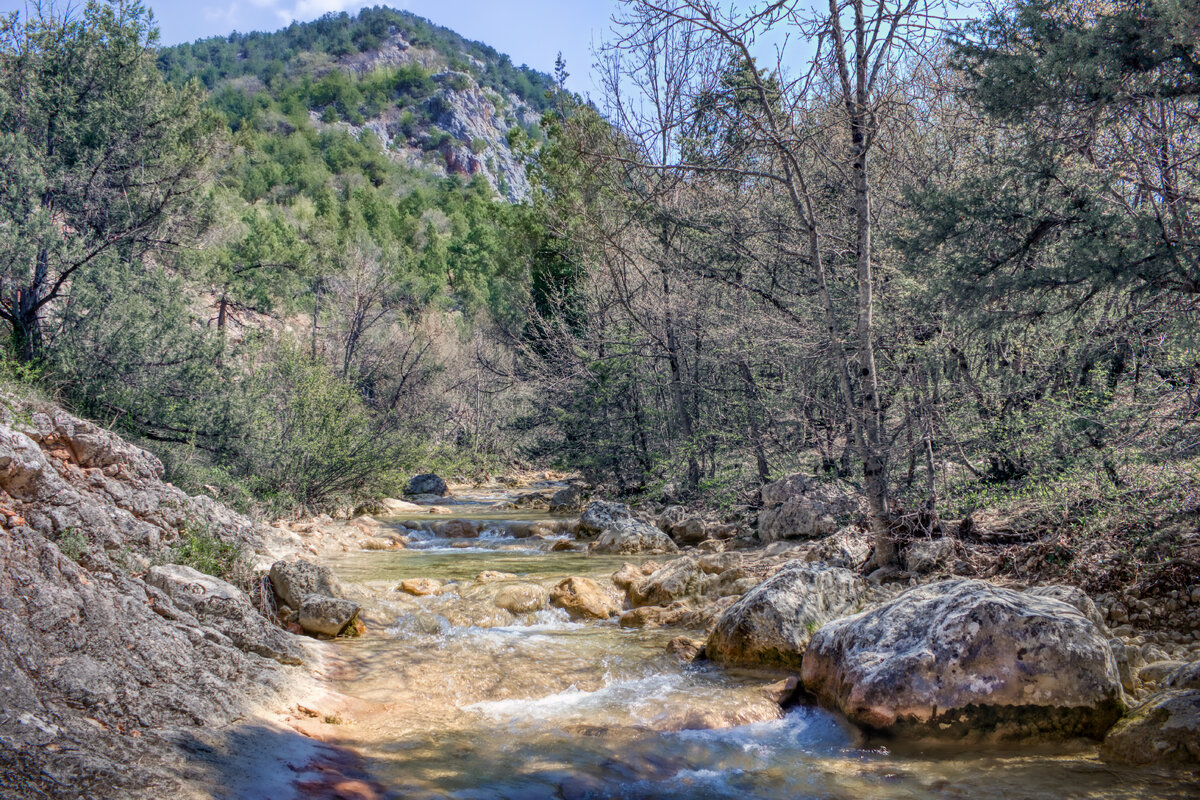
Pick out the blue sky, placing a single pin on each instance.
(530, 31)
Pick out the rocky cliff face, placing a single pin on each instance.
(478, 122)
(106, 677)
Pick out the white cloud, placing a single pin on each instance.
(311, 9)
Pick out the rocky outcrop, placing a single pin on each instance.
(925, 556)
(584, 598)
(566, 500)
(964, 658)
(1073, 596)
(706, 577)
(226, 608)
(427, 483)
(774, 622)
(602, 514)
(106, 669)
(798, 507)
(630, 536)
(847, 548)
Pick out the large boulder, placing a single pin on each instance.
(321, 615)
(427, 483)
(630, 536)
(602, 514)
(774, 622)
(226, 608)
(964, 658)
(295, 580)
(691, 530)
(924, 556)
(847, 548)
(798, 507)
(1165, 729)
(584, 598)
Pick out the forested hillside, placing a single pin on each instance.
(955, 268)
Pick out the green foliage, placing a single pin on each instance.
(73, 544)
(205, 552)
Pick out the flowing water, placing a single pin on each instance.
(472, 701)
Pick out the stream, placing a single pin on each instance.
(478, 702)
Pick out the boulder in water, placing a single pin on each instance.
(566, 500)
(327, 616)
(584, 598)
(1165, 729)
(522, 598)
(419, 587)
(294, 580)
(774, 622)
(964, 658)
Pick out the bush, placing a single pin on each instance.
(205, 552)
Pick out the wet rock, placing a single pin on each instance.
(685, 648)
(295, 580)
(584, 598)
(428, 484)
(327, 616)
(675, 614)
(924, 556)
(773, 623)
(489, 575)
(783, 692)
(419, 587)
(1165, 729)
(629, 536)
(798, 507)
(964, 658)
(602, 514)
(1073, 596)
(627, 576)
(687, 578)
(564, 545)
(566, 500)
(226, 608)
(522, 598)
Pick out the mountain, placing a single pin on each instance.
(433, 99)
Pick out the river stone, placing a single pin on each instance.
(583, 598)
(670, 516)
(393, 506)
(602, 514)
(419, 587)
(521, 598)
(326, 616)
(964, 658)
(630, 536)
(1165, 729)
(294, 580)
(692, 530)
(773, 623)
(226, 608)
(798, 507)
(1186, 677)
(427, 483)
(688, 577)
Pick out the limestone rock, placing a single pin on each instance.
(602, 514)
(566, 500)
(1073, 596)
(847, 548)
(584, 598)
(964, 658)
(327, 616)
(227, 608)
(685, 648)
(1165, 729)
(295, 580)
(689, 577)
(629, 536)
(670, 516)
(396, 507)
(798, 507)
(773, 623)
(521, 598)
(691, 530)
(419, 587)
(924, 556)
(427, 483)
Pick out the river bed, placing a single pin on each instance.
(471, 701)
